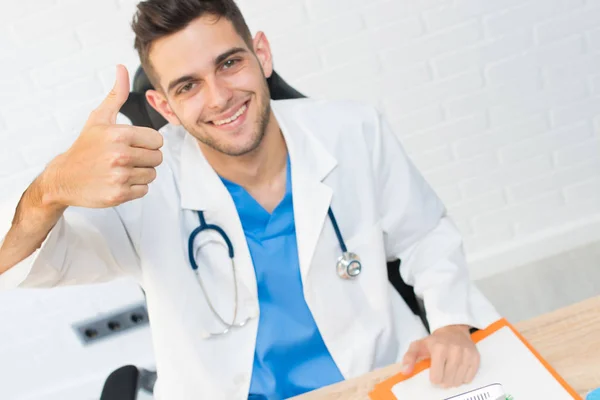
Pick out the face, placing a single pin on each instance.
(214, 85)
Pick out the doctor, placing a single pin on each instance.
(258, 229)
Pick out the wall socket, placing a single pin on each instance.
(109, 325)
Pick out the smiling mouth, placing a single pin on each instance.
(233, 118)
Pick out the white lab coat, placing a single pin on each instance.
(342, 154)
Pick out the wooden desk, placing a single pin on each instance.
(568, 338)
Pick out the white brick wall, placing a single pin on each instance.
(497, 102)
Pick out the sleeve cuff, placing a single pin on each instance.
(24, 274)
(471, 309)
(13, 278)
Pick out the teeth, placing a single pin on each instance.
(232, 118)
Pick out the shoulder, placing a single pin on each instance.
(331, 121)
(329, 112)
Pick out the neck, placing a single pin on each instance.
(261, 166)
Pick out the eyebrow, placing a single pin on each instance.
(218, 60)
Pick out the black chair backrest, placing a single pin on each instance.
(121, 384)
(141, 113)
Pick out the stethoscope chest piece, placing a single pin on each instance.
(348, 266)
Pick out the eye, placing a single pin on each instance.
(186, 88)
(230, 63)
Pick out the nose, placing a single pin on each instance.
(218, 94)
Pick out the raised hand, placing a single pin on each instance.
(108, 164)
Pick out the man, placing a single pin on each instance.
(289, 184)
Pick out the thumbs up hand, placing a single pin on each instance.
(108, 164)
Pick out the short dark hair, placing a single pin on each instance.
(155, 19)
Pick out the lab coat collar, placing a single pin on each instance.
(311, 163)
(200, 186)
(308, 156)
(202, 189)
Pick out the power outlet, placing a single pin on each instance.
(94, 330)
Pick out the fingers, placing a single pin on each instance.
(138, 191)
(142, 176)
(136, 136)
(459, 376)
(124, 193)
(454, 359)
(438, 363)
(454, 365)
(473, 368)
(415, 352)
(146, 138)
(465, 370)
(144, 158)
(107, 111)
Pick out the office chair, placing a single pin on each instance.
(141, 113)
(125, 383)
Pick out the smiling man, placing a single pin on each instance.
(258, 229)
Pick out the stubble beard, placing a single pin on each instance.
(257, 136)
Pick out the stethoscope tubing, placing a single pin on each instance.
(206, 227)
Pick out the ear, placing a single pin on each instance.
(262, 49)
(158, 101)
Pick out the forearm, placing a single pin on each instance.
(35, 216)
(437, 268)
(107, 165)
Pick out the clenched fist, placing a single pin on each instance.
(108, 164)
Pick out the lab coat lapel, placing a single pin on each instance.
(310, 164)
(202, 189)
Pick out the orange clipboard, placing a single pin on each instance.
(383, 390)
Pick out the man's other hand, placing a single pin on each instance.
(454, 356)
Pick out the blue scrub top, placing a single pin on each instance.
(290, 357)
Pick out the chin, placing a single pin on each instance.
(236, 149)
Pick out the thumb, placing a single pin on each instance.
(107, 112)
(416, 352)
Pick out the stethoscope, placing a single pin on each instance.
(348, 266)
